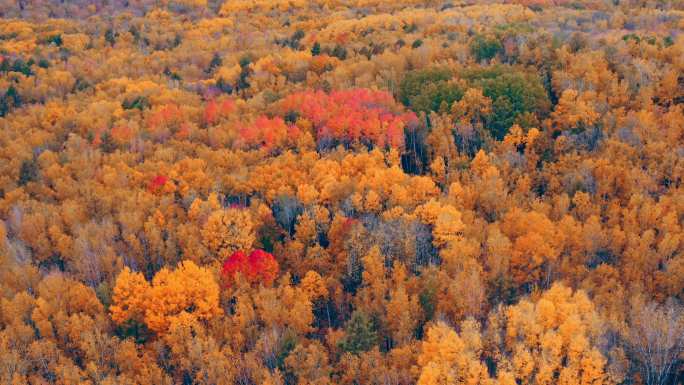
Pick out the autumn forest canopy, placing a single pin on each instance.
(311, 192)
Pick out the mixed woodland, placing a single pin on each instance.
(285, 192)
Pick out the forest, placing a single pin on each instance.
(312, 192)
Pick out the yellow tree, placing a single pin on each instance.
(402, 307)
(129, 297)
(575, 110)
(536, 245)
(551, 340)
(189, 290)
(310, 364)
(196, 354)
(445, 219)
(228, 231)
(447, 358)
(372, 295)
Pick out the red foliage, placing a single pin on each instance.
(214, 110)
(262, 266)
(236, 263)
(211, 113)
(183, 132)
(157, 183)
(342, 38)
(350, 116)
(258, 267)
(269, 133)
(165, 116)
(122, 134)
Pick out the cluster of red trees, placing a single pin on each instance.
(340, 117)
(259, 267)
(352, 116)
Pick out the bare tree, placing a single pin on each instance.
(655, 339)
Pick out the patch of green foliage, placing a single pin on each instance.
(516, 95)
(429, 89)
(485, 48)
(361, 334)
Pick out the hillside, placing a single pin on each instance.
(341, 192)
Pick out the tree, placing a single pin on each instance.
(574, 111)
(286, 210)
(556, 338)
(10, 100)
(449, 358)
(316, 49)
(129, 297)
(360, 334)
(535, 246)
(313, 284)
(259, 267)
(355, 116)
(445, 221)
(157, 184)
(28, 172)
(401, 317)
(188, 291)
(227, 231)
(309, 363)
(485, 48)
(655, 336)
(196, 354)
(428, 89)
(514, 93)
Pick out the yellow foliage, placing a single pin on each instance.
(227, 231)
(313, 285)
(449, 358)
(187, 293)
(556, 334)
(129, 296)
(445, 219)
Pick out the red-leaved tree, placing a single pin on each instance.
(157, 184)
(257, 267)
(351, 116)
(358, 115)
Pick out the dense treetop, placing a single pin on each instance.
(341, 192)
